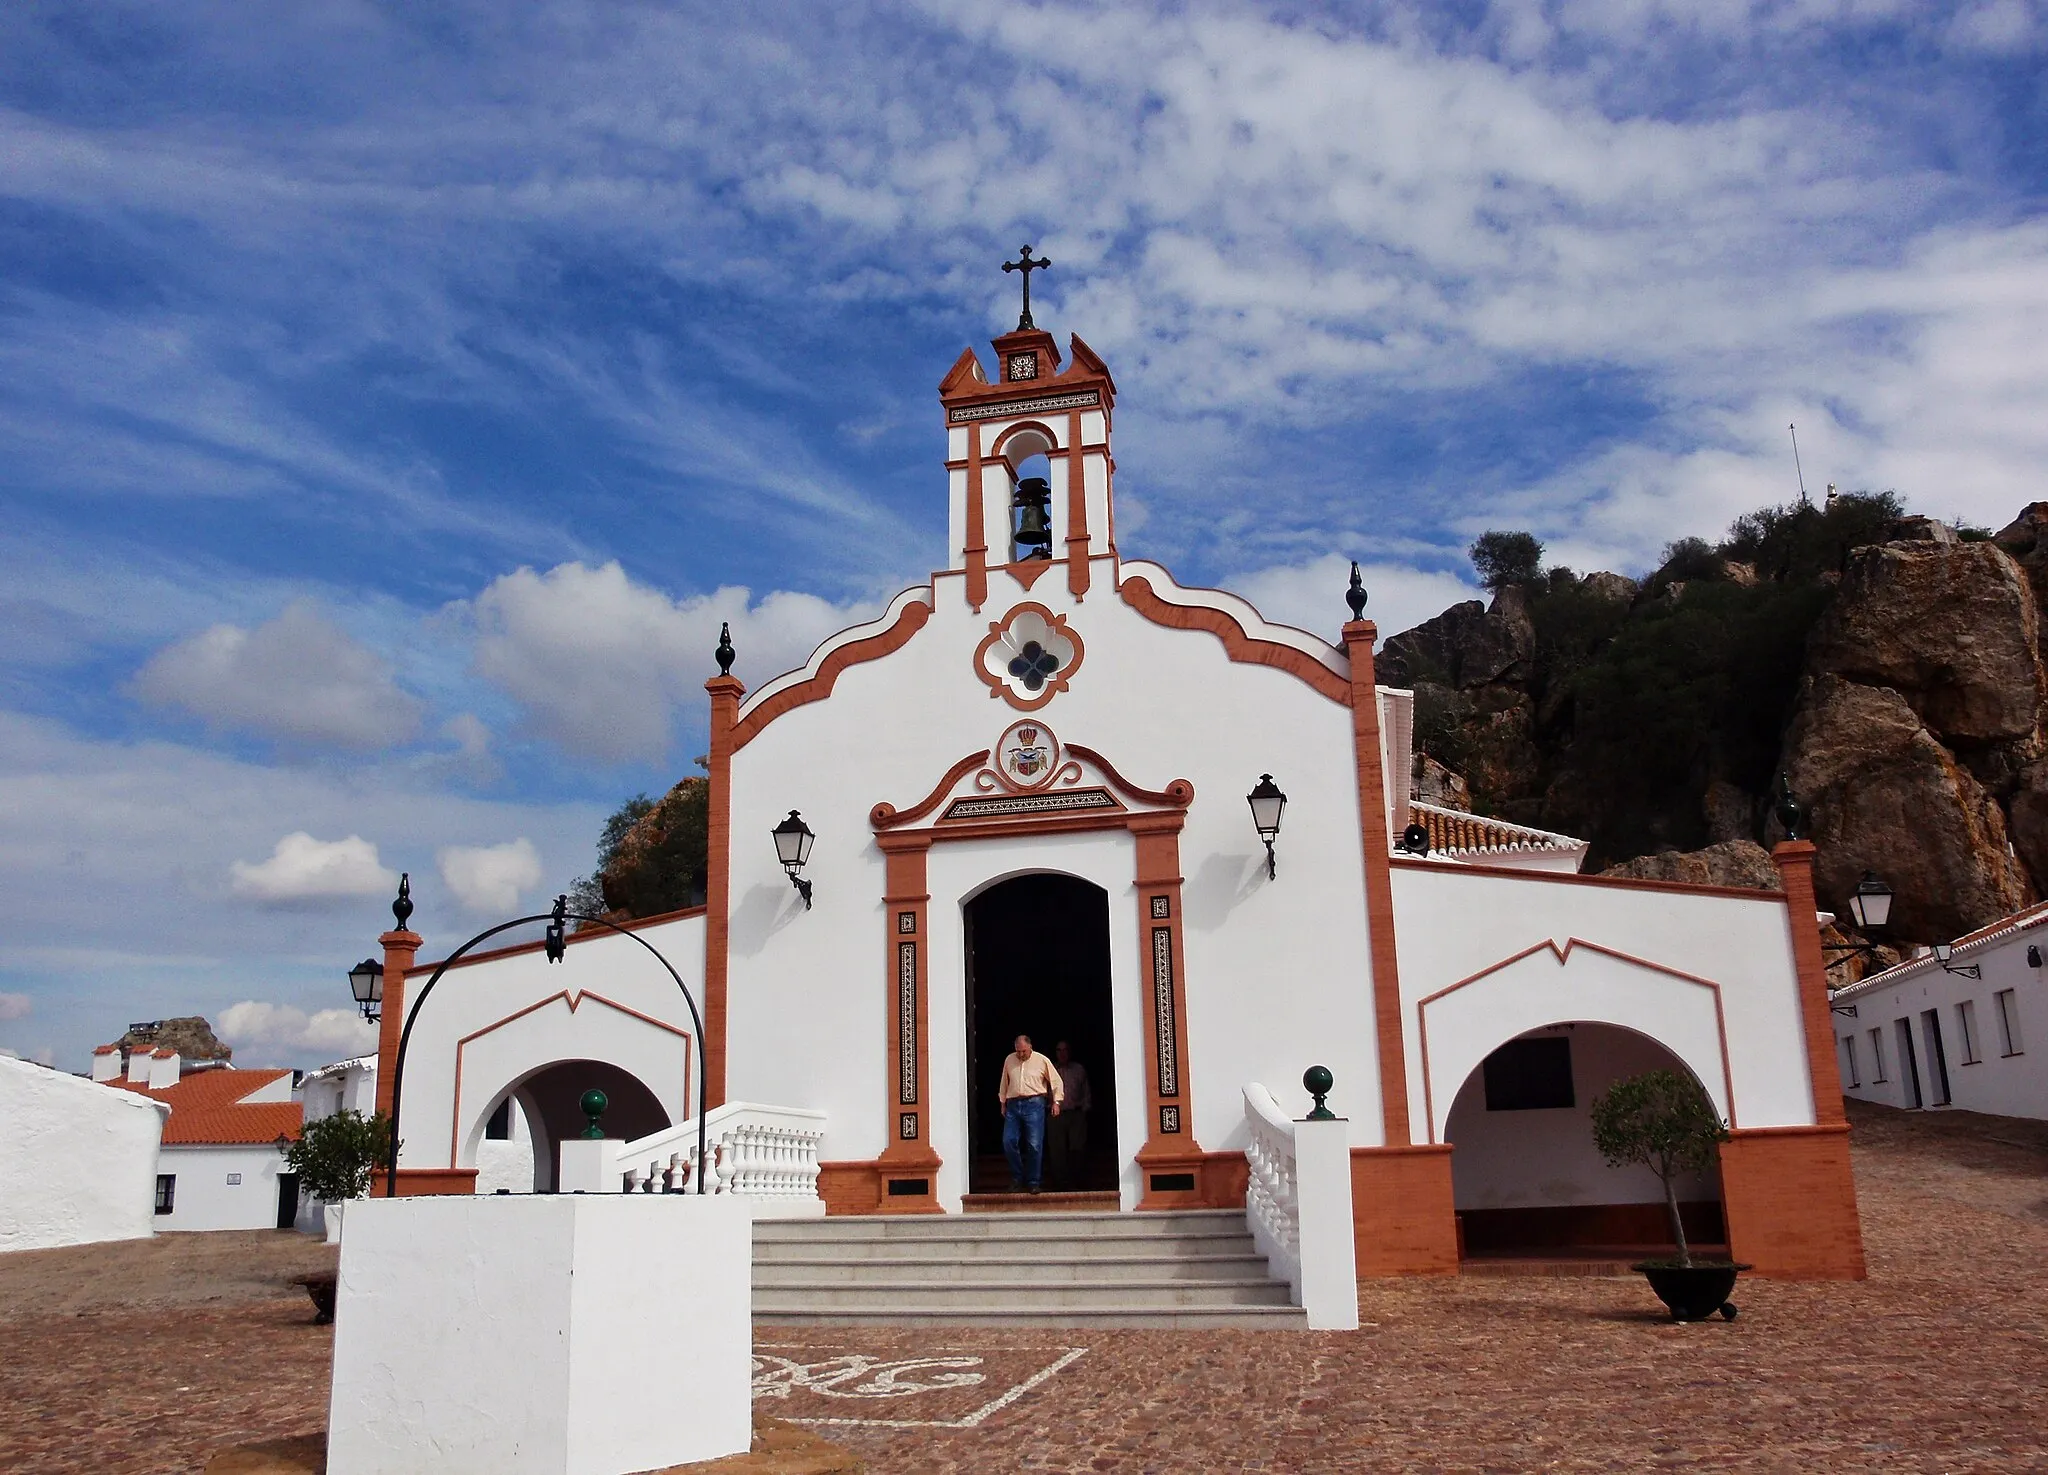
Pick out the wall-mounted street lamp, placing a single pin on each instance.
(793, 840)
(1871, 903)
(1268, 804)
(366, 982)
(1943, 951)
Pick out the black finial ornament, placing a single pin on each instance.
(1317, 1081)
(1355, 595)
(725, 654)
(402, 908)
(1791, 813)
(1025, 264)
(555, 943)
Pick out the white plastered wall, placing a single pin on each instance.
(507, 1018)
(205, 1199)
(78, 1160)
(1277, 971)
(1997, 1083)
(1647, 945)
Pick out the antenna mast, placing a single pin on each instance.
(1804, 501)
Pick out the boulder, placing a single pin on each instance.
(1953, 628)
(1731, 863)
(1924, 530)
(2030, 820)
(1884, 796)
(1432, 783)
(1617, 587)
(1729, 811)
(1467, 645)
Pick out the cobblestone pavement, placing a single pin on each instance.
(1938, 1362)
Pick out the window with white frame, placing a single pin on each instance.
(166, 1192)
(1849, 1060)
(2009, 1020)
(1877, 1056)
(1966, 1026)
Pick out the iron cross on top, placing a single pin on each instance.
(1025, 264)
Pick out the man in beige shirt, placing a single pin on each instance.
(1029, 1083)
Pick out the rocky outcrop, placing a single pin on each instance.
(1885, 795)
(1953, 628)
(191, 1036)
(1432, 783)
(1731, 863)
(1468, 645)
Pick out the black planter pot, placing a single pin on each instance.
(1693, 1292)
(320, 1291)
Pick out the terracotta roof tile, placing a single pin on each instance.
(1453, 830)
(207, 1107)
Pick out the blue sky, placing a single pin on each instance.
(393, 399)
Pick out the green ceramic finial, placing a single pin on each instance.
(1317, 1080)
(593, 1103)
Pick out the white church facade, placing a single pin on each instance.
(1027, 783)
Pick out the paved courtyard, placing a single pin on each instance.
(146, 1357)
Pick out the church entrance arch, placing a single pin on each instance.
(1526, 1179)
(1038, 963)
(550, 1099)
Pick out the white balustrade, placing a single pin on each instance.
(1297, 1204)
(767, 1155)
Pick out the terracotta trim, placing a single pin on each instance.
(1794, 859)
(574, 1001)
(726, 692)
(1565, 878)
(1021, 427)
(1563, 955)
(977, 532)
(906, 892)
(997, 687)
(819, 686)
(491, 955)
(400, 948)
(1027, 572)
(1138, 593)
(886, 816)
(428, 1182)
(1162, 959)
(1077, 510)
(1376, 846)
(1177, 795)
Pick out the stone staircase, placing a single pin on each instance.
(1190, 1269)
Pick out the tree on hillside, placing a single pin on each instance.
(651, 855)
(1798, 541)
(1502, 559)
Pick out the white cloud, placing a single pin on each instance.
(490, 878)
(599, 663)
(16, 1006)
(1311, 595)
(268, 1031)
(302, 868)
(298, 678)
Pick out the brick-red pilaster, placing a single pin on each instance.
(726, 692)
(400, 948)
(1359, 636)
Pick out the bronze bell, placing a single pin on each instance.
(1034, 521)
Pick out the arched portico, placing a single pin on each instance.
(1525, 1174)
(550, 1098)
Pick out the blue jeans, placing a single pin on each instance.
(1024, 1138)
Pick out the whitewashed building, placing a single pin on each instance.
(222, 1162)
(1027, 782)
(77, 1163)
(1952, 1031)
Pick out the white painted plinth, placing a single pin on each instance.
(585, 1165)
(543, 1335)
(1329, 1254)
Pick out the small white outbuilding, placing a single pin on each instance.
(78, 1163)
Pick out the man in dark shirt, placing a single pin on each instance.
(1066, 1135)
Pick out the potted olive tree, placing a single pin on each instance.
(334, 1158)
(1663, 1121)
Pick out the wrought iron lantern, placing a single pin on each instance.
(1944, 951)
(1268, 804)
(793, 840)
(366, 982)
(1871, 903)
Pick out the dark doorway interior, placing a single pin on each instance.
(1038, 964)
(287, 1200)
(553, 1109)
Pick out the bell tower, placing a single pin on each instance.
(1033, 407)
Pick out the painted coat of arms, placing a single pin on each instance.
(1027, 754)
